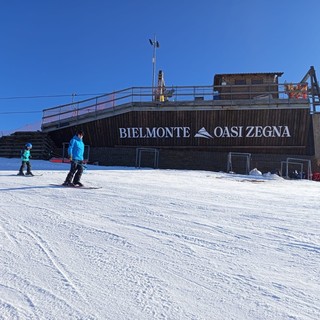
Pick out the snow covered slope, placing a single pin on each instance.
(157, 244)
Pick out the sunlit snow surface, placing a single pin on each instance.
(157, 244)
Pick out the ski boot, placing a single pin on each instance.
(68, 184)
(78, 184)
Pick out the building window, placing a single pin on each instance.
(256, 81)
(240, 81)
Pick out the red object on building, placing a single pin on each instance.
(316, 176)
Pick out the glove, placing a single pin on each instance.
(70, 157)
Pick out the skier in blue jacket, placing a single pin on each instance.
(25, 158)
(75, 154)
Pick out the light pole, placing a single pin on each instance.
(155, 45)
(73, 105)
(73, 95)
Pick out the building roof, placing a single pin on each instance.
(279, 74)
(217, 77)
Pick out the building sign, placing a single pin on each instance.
(155, 132)
(217, 132)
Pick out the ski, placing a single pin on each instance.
(75, 187)
(28, 175)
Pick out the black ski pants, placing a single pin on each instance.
(75, 172)
(23, 165)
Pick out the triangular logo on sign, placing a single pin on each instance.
(203, 133)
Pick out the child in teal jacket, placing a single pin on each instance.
(25, 158)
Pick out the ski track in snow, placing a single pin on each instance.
(159, 244)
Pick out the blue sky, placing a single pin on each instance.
(60, 47)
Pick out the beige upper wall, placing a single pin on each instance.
(316, 133)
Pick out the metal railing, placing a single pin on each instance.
(232, 94)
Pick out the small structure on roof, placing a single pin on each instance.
(239, 86)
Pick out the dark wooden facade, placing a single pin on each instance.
(259, 131)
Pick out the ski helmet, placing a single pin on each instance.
(29, 145)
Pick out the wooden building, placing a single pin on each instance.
(196, 127)
(247, 85)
